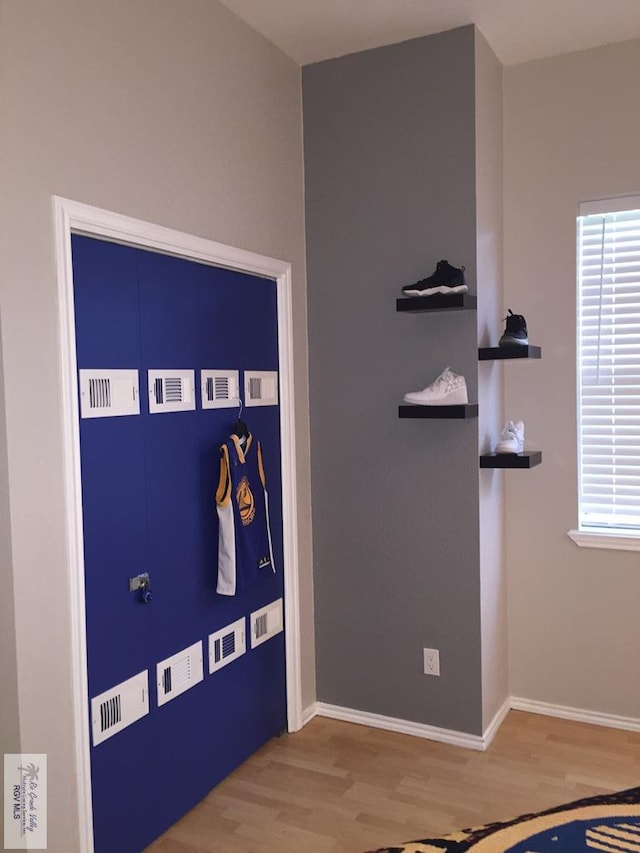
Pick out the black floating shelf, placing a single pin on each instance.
(438, 302)
(470, 410)
(495, 353)
(528, 459)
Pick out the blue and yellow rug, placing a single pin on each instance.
(610, 822)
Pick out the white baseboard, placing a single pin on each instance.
(309, 713)
(492, 729)
(596, 718)
(455, 738)
(406, 727)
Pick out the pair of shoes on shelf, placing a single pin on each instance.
(448, 389)
(445, 279)
(449, 279)
(515, 334)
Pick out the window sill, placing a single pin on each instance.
(611, 541)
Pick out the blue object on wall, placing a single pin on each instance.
(148, 487)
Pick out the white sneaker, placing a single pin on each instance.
(448, 389)
(511, 438)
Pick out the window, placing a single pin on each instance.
(609, 367)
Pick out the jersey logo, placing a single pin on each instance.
(246, 503)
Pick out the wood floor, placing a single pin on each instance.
(342, 788)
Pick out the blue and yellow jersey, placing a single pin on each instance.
(242, 501)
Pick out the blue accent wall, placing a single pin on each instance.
(149, 486)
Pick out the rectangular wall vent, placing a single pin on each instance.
(266, 623)
(227, 645)
(220, 389)
(109, 393)
(261, 626)
(179, 673)
(261, 387)
(171, 391)
(117, 708)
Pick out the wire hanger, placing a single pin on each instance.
(240, 429)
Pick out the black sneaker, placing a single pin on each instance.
(445, 279)
(515, 332)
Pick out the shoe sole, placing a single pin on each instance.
(506, 452)
(432, 291)
(455, 399)
(507, 341)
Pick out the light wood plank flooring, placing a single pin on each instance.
(341, 788)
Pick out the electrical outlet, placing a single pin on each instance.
(431, 661)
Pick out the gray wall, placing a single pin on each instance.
(175, 113)
(9, 712)
(389, 140)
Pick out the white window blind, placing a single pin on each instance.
(609, 365)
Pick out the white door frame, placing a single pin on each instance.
(71, 217)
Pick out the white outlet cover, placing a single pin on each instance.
(431, 658)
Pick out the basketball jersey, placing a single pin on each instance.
(242, 502)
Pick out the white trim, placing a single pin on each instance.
(309, 713)
(289, 502)
(514, 703)
(494, 726)
(608, 205)
(74, 530)
(75, 217)
(612, 541)
(405, 727)
(93, 221)
(564, 712)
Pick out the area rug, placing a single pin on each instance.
(610, 822)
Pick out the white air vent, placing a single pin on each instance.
(117, 708)
(220, 388)
(266, 623)
(226, 645)
(109, 393)
(171, 391)
(261, 387)
(180, 672)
